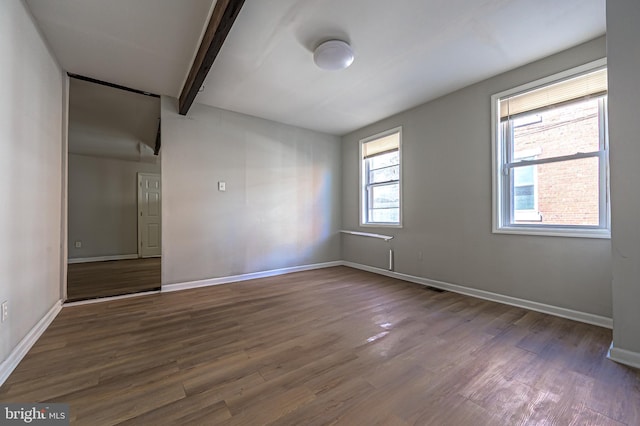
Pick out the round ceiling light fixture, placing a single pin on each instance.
(333, 55)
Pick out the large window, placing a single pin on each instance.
(380, 181)
(551, 155)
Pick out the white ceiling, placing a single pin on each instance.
(407, 51)
(148, 45)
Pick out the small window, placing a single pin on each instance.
(380, 166)
(551, 156)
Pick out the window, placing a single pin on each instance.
(551, 156)
(380, 181)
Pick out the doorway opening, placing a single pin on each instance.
(114, 237)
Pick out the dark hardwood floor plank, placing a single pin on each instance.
(197, 410)
(93, 280)
(335, 346)
(330, 407)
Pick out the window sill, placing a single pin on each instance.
(528, 216)
(554, 232)
(381, 225)
(368, 234)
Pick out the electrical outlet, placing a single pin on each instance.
(5, 310)
(77, 244)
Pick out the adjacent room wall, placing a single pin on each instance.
(103, 209)
(623, 53)
(281, 204)
(31, 117)
(447, 204)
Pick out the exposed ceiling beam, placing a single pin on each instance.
(115, 86)
(223, 16)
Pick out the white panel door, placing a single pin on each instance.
(149, 219)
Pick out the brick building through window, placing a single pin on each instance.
(559, 193)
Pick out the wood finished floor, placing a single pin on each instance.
(332, 346)
(112, 278)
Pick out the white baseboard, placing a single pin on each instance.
(19, 352)
(245, 277)
(110, 298)
(102, 258)
(494, 297)
(481, 294)
(623, 356)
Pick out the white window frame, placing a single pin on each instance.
(500, 219)
(362, 206)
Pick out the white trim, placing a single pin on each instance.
(555, 232)
(623, 356)
(497, 198)
(19, 352)
(245, 277)
(110, 298)
(64, 195)
(481, 294)
(532, 215)
(368, 234)
(102, 258)
(139, 213)
(382, 224)
(494, 297)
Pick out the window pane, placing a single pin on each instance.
(523, 175)
(385, 215)
(385, 174)
(568, 193)
(385, 196)
(524, 197)
(384, 160)
(562, 130)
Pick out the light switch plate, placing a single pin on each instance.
(222, 186)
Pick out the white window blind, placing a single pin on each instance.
(380, 146)
(591, 84)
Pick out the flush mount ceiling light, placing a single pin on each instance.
(333, 55)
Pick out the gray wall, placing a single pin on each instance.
(447, 204)
(103, 207)
(31, 117)
(281, 205)
(623, 52)
(109, 122)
